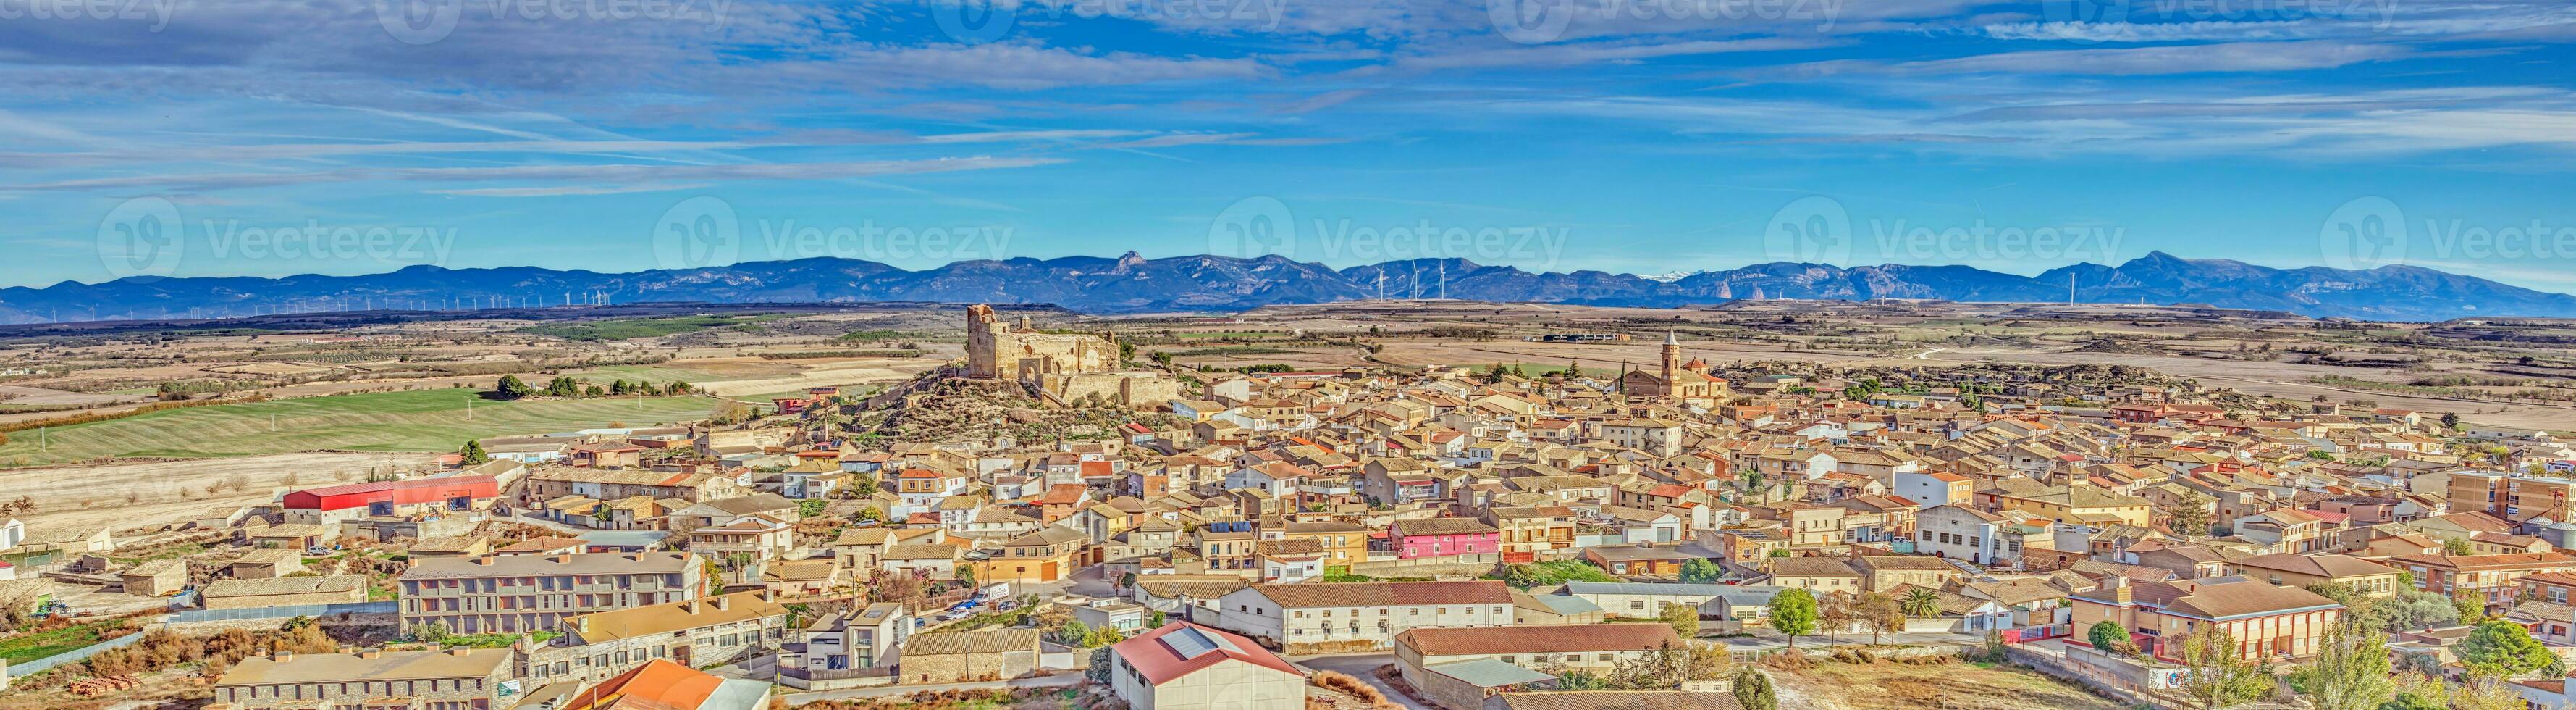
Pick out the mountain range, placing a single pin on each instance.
(1131, 283)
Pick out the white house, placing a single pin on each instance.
(1185, 666)
(1962, 532)
(1364, 613)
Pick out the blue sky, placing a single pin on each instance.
(351, 136)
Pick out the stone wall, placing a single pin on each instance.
(997, 351)
(966, 667)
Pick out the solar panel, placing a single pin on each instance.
(1189, 643)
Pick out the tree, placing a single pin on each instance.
(1835, 615)
(2470, 611)
(1793, 614)
(811, 507)
(2107, 635)
(2191, 514)
(473, 454)
(966, 575)
(1753, 690)
(1098, 672)
(1701, 570)
(1921, 603)
(1683, 617)
(1881, 614)
(2451, 421)
(2456, 546)
(563, 386)
(2504, 648)
(2215, 675)
(512, 388)
(2487, 693)
(2350, 671)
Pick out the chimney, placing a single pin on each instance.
(563, 559)
(460, 651)
(720, 603)
(484, 561)
(282, 657)
(366, 653)
(2120, 590)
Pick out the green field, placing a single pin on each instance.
(43, 645)
(424, 420)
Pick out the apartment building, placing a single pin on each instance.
(452, 679)
(2490, 579)
(2268, 621)
(1359, 616)
(514, 593)
(693, 633)
(1532, 529)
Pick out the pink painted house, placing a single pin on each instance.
(1442, 537)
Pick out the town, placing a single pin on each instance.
(1055, 518)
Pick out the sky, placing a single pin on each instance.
(270, 138)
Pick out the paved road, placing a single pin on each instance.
(1049, 681)
(1364, 667)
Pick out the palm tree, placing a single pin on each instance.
(1920, 603)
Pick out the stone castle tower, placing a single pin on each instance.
(1001, 352)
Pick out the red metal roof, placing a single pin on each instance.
(406, 492)
(1161, 661)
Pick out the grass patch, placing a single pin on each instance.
(418, 421)
(45, 644)
(1552, 573)
(1232, 350)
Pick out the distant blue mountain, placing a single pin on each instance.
(1130, 283)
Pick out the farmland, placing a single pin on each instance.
(419, 420)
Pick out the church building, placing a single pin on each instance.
(1674, 379)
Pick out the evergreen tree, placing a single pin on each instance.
(512, 388)
(473, 453)
(1753, 690)
(2504, 648)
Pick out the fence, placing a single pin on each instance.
(2036, 633)
(284, 612)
